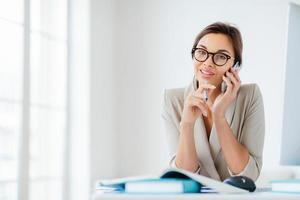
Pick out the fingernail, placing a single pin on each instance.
(205, 114)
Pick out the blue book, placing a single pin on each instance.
(286, 186)
(163, 185)
(171, 180)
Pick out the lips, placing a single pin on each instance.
(206, 73)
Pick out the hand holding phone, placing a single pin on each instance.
(236, 67)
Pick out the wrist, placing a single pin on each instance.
(218, 117)
(218, 112)
(184, 124)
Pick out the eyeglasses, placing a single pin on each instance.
(202, 55)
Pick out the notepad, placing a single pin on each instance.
(290, 186)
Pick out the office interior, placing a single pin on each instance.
(82, 83)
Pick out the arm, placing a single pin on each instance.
(235, 154)
(185, 155)
(180, 136)
(253, 134)
(243, 157)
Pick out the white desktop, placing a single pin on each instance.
(250, 196)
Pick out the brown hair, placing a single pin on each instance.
(227, 29)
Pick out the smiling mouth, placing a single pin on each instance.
(206, 73)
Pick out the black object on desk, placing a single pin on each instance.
(242, 182)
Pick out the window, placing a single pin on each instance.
(48, 89)
(46, 95)
(11, 51)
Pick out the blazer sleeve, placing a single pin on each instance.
(253, 133)
(172, 108)
(171, 121)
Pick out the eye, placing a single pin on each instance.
(201, 52)
(221, 56)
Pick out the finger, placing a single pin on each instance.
(201, 100)
(198, 96)
(199, 104)
(236, 83)
(232, 78)
(228, 83)
(236, 74)
(206, 86)
(202, 87)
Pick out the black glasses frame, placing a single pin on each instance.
(210, 53)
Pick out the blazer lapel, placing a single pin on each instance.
(207, 150)
(203, 149)
(214, 141)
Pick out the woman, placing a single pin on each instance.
(215, 131)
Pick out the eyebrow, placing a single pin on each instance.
(220, 50)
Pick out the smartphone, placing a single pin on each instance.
(236, 67)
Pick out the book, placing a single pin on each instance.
(205, 183)
(160, 186)
(289, 186)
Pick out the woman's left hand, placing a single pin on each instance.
(223, 101)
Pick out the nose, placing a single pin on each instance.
(209, 60)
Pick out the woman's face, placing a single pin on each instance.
(208, 70)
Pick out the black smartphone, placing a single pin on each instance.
(236, 67)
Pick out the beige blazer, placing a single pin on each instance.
(246, 118)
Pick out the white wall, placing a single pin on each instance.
(78, 186)
(141, 47)
(102, 89)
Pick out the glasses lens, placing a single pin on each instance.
(201, 55)
(220, 59)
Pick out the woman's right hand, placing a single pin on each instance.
(195, 105)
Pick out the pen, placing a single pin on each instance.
(205, 93)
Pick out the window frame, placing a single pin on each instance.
(23, 159)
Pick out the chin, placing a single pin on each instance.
(202, 80)
(210, 81)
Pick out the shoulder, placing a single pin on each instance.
(249, 96)
(173, 103)
(174, 94)
(250, 92)
(174, 98)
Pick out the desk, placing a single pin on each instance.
(250, 196)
